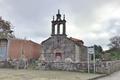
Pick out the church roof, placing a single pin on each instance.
(77, 41)
(74, 40)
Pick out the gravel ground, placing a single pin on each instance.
(12, 74)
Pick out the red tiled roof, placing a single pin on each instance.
(77, 41)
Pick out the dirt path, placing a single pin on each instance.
(10, 74)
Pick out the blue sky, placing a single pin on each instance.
(93, 21)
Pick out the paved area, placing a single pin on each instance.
(12, 74)
(114, 76)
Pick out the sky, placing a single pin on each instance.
(93, 21)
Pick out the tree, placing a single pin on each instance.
(115, 42)
(98, 52)
(5, 29)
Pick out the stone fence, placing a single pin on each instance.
(106, 67)
(66, 66)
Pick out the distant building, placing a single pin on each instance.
(14, 48)
(59, 48)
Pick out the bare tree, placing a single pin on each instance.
(115, 42)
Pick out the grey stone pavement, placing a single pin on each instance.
(114, 76)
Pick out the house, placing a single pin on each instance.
(21, 47)
(14, 48)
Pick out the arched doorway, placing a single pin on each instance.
(58, 55)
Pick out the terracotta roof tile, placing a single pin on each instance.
(77, 41)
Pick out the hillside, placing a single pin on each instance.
(112, 54)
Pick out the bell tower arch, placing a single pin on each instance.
(57, 24)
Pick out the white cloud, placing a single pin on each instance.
(105, 25)
(90, 20)
(107, 11)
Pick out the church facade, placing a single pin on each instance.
(60, 48)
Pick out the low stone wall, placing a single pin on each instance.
(69, 66)
(106, 67)
(66, 66)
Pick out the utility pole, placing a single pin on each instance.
(88, 61)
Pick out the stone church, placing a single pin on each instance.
(59, 48)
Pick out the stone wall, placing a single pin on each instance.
(58, 44)
(65, 46)
(105, 67)
(65, 66)
(108, 67)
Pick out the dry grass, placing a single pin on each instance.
(12, 74)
